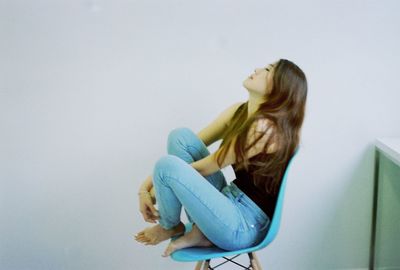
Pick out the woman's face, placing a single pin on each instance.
(261, 81)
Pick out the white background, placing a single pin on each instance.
(89, 91)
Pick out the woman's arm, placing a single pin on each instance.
(213, 132)
(147, 184)
(208, 165)
(208, 135)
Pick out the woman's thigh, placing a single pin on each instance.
(216, 213)
(185, 144)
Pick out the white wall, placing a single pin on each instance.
(90, 89)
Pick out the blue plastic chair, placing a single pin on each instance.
(201, 254)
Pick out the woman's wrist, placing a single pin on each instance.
(147, 184)
(143, 192)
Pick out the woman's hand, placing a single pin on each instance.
(153, 195)
(146, 206)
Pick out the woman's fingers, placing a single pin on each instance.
(147, 218)
(149, 212)
(154, 211)
(153, 214)
(146, 215)
(150, 218)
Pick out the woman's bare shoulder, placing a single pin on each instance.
(236, 106)
(262, 128)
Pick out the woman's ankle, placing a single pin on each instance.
(178, 229)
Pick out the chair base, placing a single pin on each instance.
(254, 263)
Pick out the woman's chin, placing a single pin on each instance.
(245, 83)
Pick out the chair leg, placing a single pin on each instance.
(206, 264)
(257, 262)
(198, 265)
(253, 263)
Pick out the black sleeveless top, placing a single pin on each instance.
(259, 196)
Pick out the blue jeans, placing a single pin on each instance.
(225, 215)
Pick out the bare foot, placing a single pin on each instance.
(156, 234)
(193, 238)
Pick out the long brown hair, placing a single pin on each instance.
(284, 109)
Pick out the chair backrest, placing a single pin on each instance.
(276, 218)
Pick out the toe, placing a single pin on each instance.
(139, 234)
(142, 239)
(168, 250)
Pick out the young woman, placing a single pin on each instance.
(259, 137)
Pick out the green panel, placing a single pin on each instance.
(387, 250)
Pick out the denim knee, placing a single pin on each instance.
(177, 132)
(166, 164)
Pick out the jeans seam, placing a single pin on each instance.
(227, 226)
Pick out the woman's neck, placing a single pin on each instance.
(253, 104)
